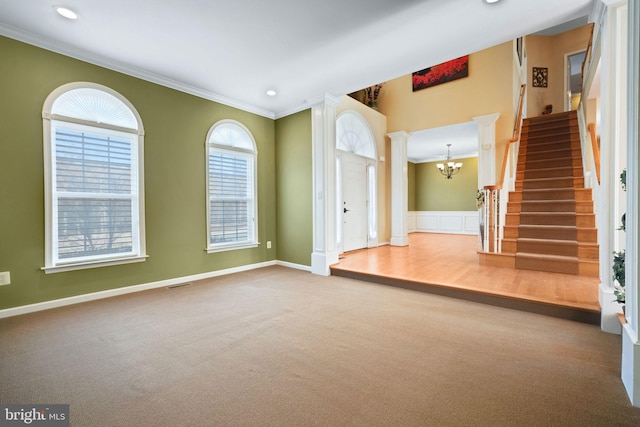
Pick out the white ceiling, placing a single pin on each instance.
(430, 145)
(232, 51)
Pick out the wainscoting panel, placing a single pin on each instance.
(451, 222)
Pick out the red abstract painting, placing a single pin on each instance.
(441, 73)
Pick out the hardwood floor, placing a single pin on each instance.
(447, 264)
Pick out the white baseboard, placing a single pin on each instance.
(292, 265)
(46, 305)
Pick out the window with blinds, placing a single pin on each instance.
(94, 193)
(231, 199)
(93, 187)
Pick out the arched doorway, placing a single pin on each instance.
(356, 183)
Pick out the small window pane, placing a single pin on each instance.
(92, 227)
(88, 162)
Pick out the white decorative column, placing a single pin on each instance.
(323, 129)
(630, 370)
(486, 149)
(612, 18)
(399, 189)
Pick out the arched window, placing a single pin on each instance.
(353, 135)
(94, 204)
(231, 187)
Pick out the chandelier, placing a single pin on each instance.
(450, 168)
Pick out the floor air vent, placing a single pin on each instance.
(179, 285)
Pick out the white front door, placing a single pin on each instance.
(354, 203)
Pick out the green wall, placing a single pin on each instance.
(176, 125)
(294, 183)
(433, 192)
(411, 186)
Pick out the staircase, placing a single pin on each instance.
(550, 224)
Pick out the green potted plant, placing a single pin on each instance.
(619, 257)
(618, 276)
(479, 205)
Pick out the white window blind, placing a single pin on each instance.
(230, 198)
(231, 187)
(94, 193)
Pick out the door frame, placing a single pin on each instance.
(372, 205)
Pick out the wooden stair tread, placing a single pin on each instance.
(548, 241)
(562, 258)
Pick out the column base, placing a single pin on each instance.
(630, 364)
(321, 262)
(400, 241)
(609, 310)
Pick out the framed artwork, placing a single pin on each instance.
(540, 77)
(441, 73)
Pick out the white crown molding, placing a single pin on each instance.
(304, 106)
(308, 103)
(82, 55)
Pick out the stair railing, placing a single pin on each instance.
(590, 155)
(595, 148)
(590, 150)
(497, 196)
(588, 139)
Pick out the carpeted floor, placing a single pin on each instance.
(281, 347)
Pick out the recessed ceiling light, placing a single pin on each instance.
(271, 92)
(491, 1)
(66, 12)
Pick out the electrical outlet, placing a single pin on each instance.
(268, 244)
(5, 278)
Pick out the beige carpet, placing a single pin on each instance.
(280, 347)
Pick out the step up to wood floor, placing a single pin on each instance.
(550, 263)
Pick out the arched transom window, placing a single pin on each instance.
(353, 135)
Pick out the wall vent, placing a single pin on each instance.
(179, 285)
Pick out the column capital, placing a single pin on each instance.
(486, 119)
(399, 135)
(326, 99)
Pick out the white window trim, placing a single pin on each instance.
(51, 266)
(223, 247)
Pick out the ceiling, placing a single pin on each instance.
(430, 145)
(233, 51)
